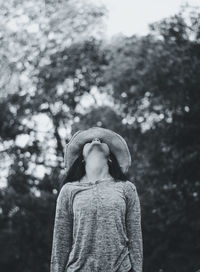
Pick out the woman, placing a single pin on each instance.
(98, 220)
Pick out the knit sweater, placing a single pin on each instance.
(97, 228)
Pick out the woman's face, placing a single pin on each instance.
(95, 145)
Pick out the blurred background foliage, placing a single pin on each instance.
(58, 75)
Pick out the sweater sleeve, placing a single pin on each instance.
(133, 225)
(62, 234)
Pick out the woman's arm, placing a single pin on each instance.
(133, 224)
(62, 235)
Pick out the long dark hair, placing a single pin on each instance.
(77, 170)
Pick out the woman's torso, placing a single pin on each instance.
(99, 227)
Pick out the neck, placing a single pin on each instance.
(97, 169)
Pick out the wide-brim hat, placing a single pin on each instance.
(115, 142)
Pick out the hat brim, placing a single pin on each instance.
(115, 142)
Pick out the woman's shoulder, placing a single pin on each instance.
(130, 188)
(70, 184)
(67, 185)
(130, 184)
(65, 190)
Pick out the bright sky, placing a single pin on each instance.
(133, 16)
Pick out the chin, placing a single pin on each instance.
(99, 147)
